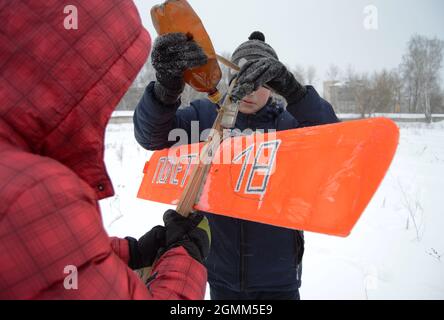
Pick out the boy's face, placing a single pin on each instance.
(255, 101)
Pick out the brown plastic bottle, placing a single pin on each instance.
(179, 16)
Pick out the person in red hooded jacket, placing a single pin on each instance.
(58, 88)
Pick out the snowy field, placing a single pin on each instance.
(396, 251)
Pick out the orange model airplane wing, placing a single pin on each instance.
(317, 179)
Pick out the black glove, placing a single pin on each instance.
(192, 233)
(256, 73)
(143, 252)
(173, 53)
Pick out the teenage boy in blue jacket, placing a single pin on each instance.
(248, 260)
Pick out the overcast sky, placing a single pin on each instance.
(319, 32)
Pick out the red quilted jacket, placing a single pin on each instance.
(58, 88)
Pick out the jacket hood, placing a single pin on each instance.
(59, 86)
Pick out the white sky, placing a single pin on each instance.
(318, 32)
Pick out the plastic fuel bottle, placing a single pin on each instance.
(179, 16)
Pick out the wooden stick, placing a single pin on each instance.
(197, 179)
(228, 63)
(199, 173)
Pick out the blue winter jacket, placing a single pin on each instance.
(244, 256)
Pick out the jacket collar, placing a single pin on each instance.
(268, 113)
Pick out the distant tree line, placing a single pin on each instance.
(414, 87)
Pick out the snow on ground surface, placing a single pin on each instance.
(130, 113)
(388, 115)
(396, 250)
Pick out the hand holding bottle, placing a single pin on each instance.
(173, 53)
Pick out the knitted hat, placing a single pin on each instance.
(254, 48)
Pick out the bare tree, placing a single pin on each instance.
(420, 68)
(146, 75)
(360, 89)
(227, 73)
(333, 73)
(384, 91)
(311, 75)
(437, 101)
(397, 87)
(299, 74)
(135, 92)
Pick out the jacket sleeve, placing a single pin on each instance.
(59, 249)
(177, 276)
(153, 121)
(121, 248)
(312, 110)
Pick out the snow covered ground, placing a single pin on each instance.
(396, 251)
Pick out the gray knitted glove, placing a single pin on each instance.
(256, 73)
(173, 53)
